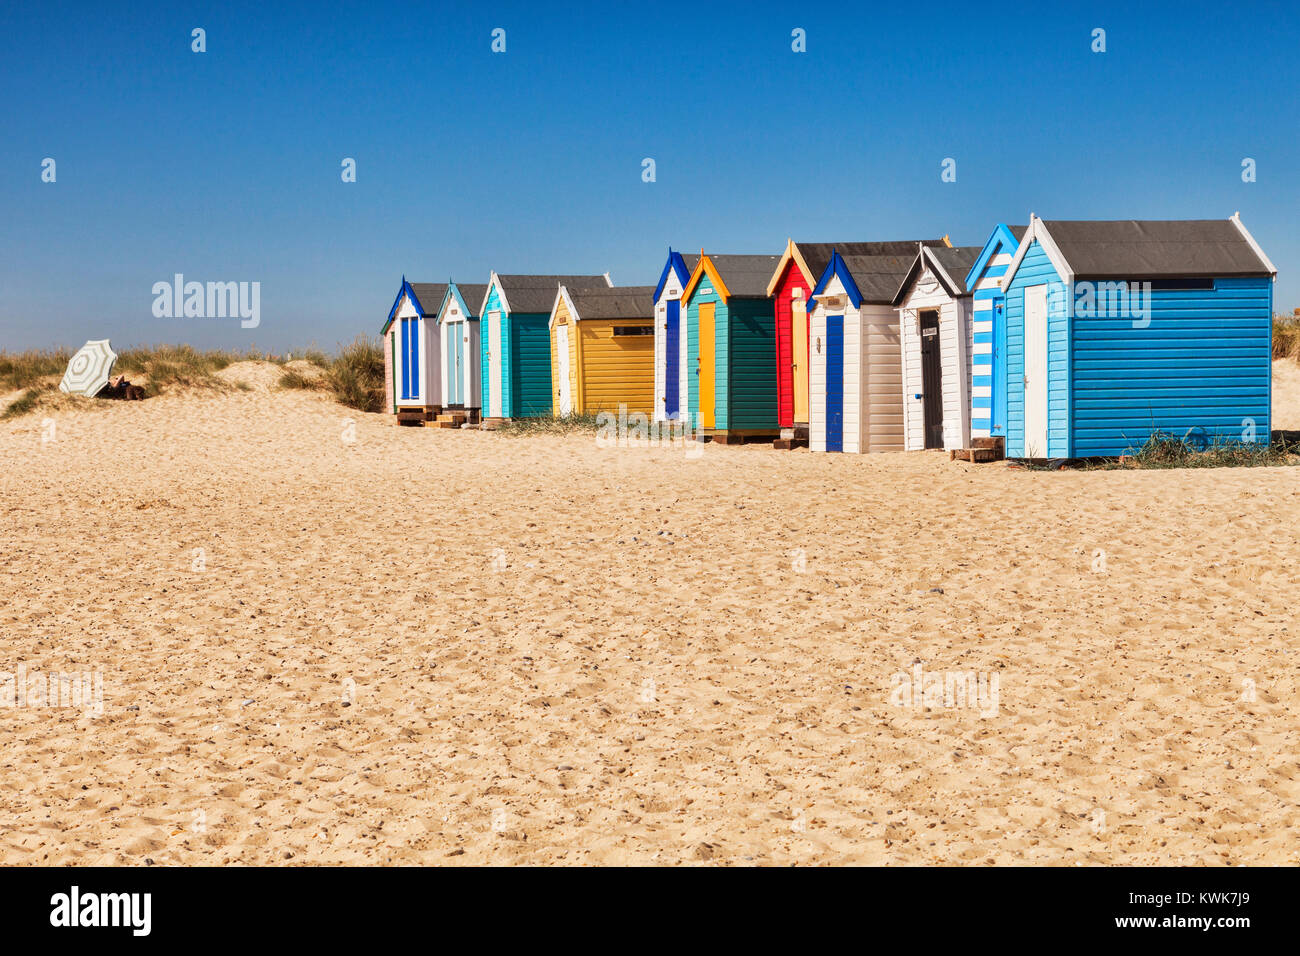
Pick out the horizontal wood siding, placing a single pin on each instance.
(882, 385)
(616, 369)
(690, 371)
(749, 366)
(1202, 366)
(530, 365)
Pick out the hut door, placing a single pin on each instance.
(834, 383)
(706, 369)
(931, 380)
(1036, 371)
(564, 392)
(494, 365)
(799, 358)
(998, 401)
(453, 364)
(672, 359)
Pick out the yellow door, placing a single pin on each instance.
(705, 370)
(799, 331)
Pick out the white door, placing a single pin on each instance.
(562, 367)
(1036, 371)
(494, 365)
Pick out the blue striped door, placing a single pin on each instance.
(834, 383)
(998, 403)
(672, 359)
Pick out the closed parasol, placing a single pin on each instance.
(89, 369)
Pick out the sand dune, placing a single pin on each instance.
(421, 646)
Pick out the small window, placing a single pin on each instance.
(796, 293)
(1171, 285)
(634, 330)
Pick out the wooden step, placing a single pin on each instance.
(995, 442)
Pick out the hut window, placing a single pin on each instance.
(634, 330)
(1170, 285)
(796, 293)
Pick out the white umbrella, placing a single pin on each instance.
(89, 369)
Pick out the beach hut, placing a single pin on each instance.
(670, 387)
(458, 331)
(935, 338)
(987, 316)
(602, 350)
(731, 347)
(1117, 330)
(790, 287)
(514, 342)
(413, 382)
(855, 391)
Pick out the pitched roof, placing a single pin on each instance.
(950, 266)
(688, 261)
(430, 295)
(1147, 248)
(473, 293)
(537, 293)
(745, 275)
(817, 255)
(617, 302)
(878, 277)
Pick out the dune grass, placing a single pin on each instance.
(1286, 336)
(1164, 450)
(28, 369)
(550, 425)
(355, 377)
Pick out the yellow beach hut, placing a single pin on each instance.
(603, 350)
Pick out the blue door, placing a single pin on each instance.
(834, 383)
(998, 403)
(672, 359)
(409, 381)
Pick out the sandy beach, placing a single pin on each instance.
(327, 639)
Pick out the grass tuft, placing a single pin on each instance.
(550, 425)
(1164, 450)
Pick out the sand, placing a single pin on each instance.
(422, 646)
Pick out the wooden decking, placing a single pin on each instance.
(981, 450)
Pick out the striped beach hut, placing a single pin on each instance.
(731, 347)
(987, 316)
(935, 339)
(458, 330)
(790, 286)
(412, 356)
(515, 342)
(602, 350)
(855, 392)
(670, 344)
(1116, 330)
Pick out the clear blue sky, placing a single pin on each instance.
(225, 165)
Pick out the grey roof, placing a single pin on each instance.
(745, 276)
(537, 293)
(618, 302)
(1143, 249)
(473, 294)
(955, 264)
(817, 255)
(1018, 231)
(878, 277)
(691, 259)
(430, 295)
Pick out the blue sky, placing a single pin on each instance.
(225, 165)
